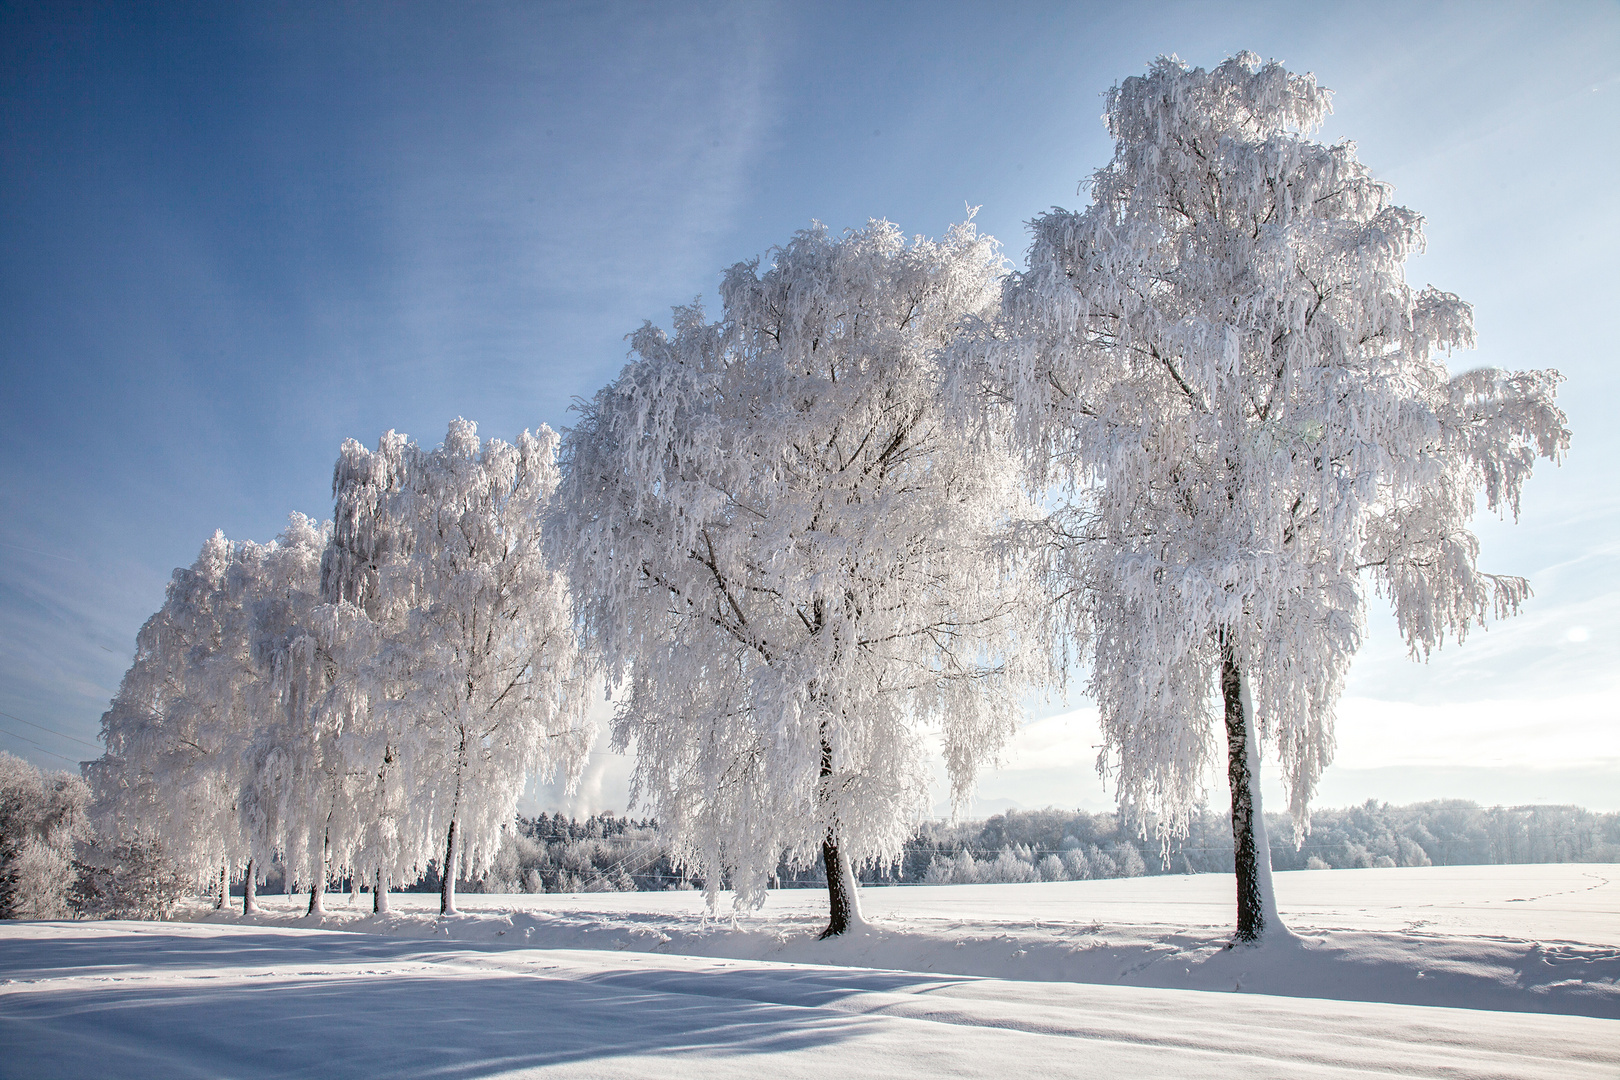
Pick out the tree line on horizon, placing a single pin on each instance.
(51, 865)
(893, 490)
(605, 852)
(614, 853)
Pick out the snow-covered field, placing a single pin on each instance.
(1465, 971)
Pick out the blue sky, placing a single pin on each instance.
(233, 235)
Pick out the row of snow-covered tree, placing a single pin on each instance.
(556, 854)
(891, 492)
(361, 698)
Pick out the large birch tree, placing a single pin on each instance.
(790, 551)
(1246, 417)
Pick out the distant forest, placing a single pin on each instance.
(551, 853)
(1058, 845)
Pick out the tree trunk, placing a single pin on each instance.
(250, 896)
(224, 886)
(843, 902)
(447, 875)
(447, 883)
(317, 891)
(1251, 850)
(379, 895)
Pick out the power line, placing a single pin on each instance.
(42, 749)
(52, 730)
(47, 554)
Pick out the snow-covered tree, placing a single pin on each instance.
(370, 537)
(791, 553)
(1245, 410)
(475, 680)
(299, 786)
(127, 879)
(42, 818)
(172, 769)
(214, 749)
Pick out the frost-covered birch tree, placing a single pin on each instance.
(365, 580)
(1245, 410)
(172, 771)
(791, 553)
(211, 743)
(303, 798)
(477, 681)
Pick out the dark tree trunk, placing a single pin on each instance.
(447, 876)
(224, 886)
(840, 883)
(447, 884)
(250, 895)
(317, 891)
(1251, 920)
(839, 900)
(379, 895)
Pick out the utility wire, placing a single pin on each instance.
(42, 749)
(52, 730)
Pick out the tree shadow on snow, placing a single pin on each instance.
(120, 1016)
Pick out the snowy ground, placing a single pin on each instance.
(1521, 938)
(1436, 972)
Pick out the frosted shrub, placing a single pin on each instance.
(1412, 854)
(1355, 856)
(965, 869)
(130, 879)
(1010, 866)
